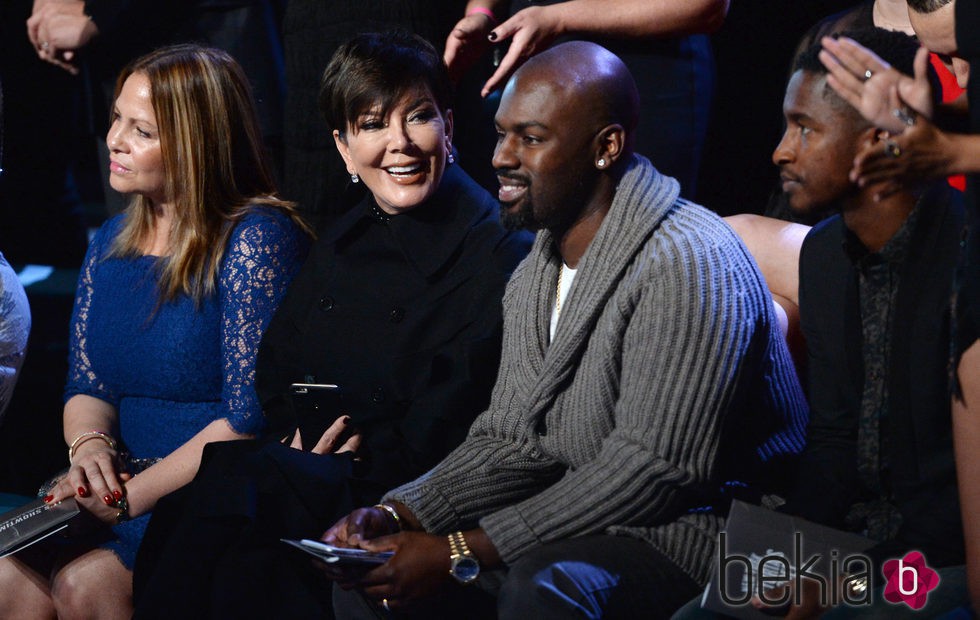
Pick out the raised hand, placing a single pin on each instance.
(866, 82)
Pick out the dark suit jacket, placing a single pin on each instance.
(918, 427)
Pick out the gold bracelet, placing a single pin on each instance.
(394, 514)
(85, 437)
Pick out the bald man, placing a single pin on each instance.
(643, 384)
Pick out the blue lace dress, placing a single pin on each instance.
(171, 369)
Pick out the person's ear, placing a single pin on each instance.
(610, 143)
(448, 120)
(340, 141)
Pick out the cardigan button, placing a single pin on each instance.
(326, 303)
(396, 315)
(378, 396)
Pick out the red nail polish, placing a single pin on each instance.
(117, 494)
(82, 492)
(108, 500)
(48, 498)
(492, 36)
(346, 420)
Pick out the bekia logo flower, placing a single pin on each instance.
(909, 580)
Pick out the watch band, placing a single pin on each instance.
(463, 565)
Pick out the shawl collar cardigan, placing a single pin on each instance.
(666, 378)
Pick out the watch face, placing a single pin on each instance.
(465, 569)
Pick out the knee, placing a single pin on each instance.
(536, 589)
(74, 593)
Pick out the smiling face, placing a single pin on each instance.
(136, 161)
(544, 155)
(400, 157)
(816, 152)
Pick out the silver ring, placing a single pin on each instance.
(45, 45)
(892, 149)
(867, 74)
(384, 603)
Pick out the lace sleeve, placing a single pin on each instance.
(82, 378)
(15, 324)
(263, 254)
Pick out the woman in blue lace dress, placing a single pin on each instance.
(172, 301)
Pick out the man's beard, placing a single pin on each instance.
(521, 219)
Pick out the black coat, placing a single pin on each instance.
(406, 318)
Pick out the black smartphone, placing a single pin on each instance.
(317, 406)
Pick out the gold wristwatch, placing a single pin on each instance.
(463, 565)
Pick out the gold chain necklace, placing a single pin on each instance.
(561, 272)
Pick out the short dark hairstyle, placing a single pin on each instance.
(927, 6)
(379, 69)
(896, 48)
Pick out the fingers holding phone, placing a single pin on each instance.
(339, 437)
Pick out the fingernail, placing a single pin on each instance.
(108, 500)
(346, 420)
(116, 493)
(82, 492)
(48, 498)
(492, 36)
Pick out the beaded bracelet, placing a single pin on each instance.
(85, 437)
(122, 505)
(482, 10)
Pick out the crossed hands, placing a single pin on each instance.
(96, 481)
(58, 29)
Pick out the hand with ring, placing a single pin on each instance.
(867, 82)
(922, 153)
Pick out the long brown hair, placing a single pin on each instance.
(215, 164)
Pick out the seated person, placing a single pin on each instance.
(643, 383)
(923, 151)
(172, 300)
(398, 304)
(15, 325)
(875, 284)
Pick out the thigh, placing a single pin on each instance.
(596, 576)
(25, 590)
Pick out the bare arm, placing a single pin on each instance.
(966, 438)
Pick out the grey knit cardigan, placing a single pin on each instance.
(666, 379)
